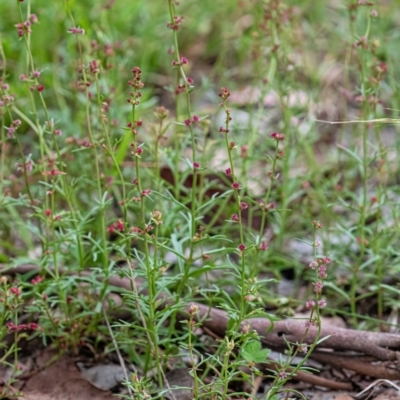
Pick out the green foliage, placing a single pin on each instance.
(195, 197)
(253, 353)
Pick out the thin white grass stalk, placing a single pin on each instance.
(120, 359)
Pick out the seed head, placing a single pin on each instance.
(317, 224)
(224, 93)
(156, 216)
(76, 31)
(161, 113)
(33, 326)
(94, 67)
(322, 272)
(120, 226)
(33, 18)
(283, 375)
(235, 218)
(15, 291)
(235, 185)
(37, 280)
(146, 192)
(180, 89)
(243, 205)
(318, 287)
(278, 136)
(242, 247)
(303, 348)
(322, 303)
(310, 304)
(193, 309)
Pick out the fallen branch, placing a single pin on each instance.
(359, 364)
(314, 379)
(380, 345)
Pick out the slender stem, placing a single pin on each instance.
(149, 268)
(49, 123)
(315, 318)
(236, 186)
(193, 142)
(2, 126)
(267, 196)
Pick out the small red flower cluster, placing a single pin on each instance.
(14, 126)
(194, 120)
(179, 63)
(76, 31)
(31, 326)
(279, 137)
(24, 27)
(224, 93)
(136, 84)
(175, 25)
(37, 280)
(15, 291)
(116, 226)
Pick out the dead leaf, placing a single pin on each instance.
(62, 381)
(102, 376)
(180, 383)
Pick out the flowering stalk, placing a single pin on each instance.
(266, 205)
(161, 113)
(226, 364)
(369, 86)
(23, 29)
(51, 217)
(25, 167)
(94, 69)
(185, 86)
(2, 125)
(191, 326)
(12, 302)
(241, 205)
(135, 95)
(319, 265)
